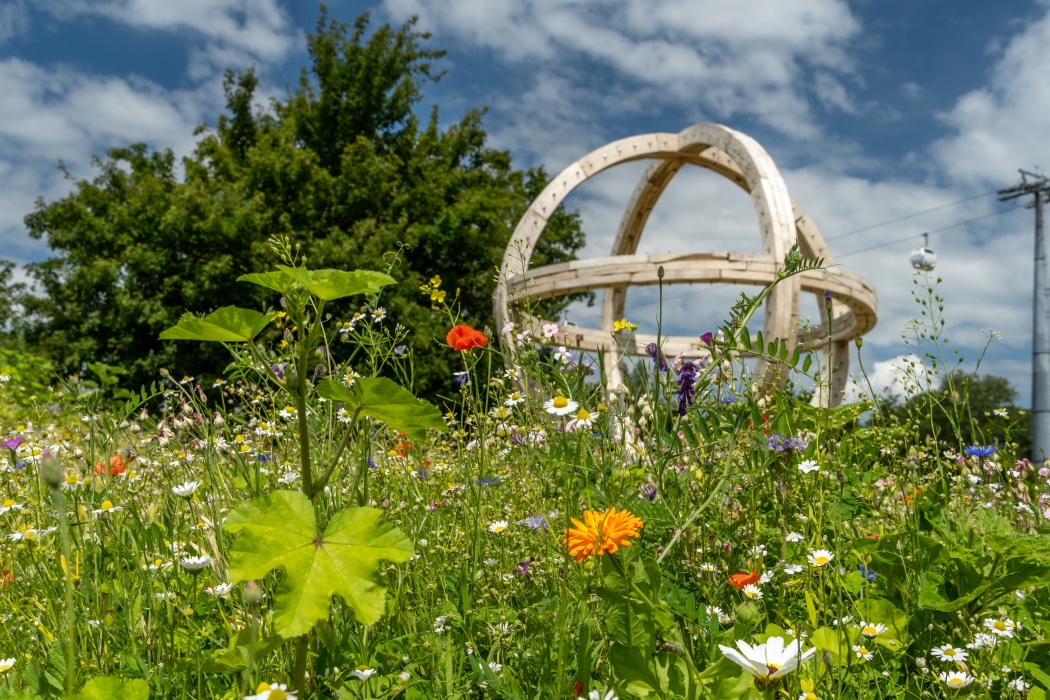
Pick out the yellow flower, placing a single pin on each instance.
(602, 532)
(624, 325)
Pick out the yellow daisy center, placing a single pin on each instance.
(8, 503)
(821, 560)
(1000, 625)
(956, 682)
(584, 414)
(772, 668)
(560, 402)
(949, 652)
(107, 504)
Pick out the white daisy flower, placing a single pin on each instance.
(378, 315)
(872, 630)
(498, 526)
(1002, 628)
(820, 557)
(863, 652)
(752, 591)
(769, 660)
(272, 691)
(195, 564)
(560, 406)
(950, 654)
(956, 680)
(185, 489)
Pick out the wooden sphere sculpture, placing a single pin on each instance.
(781, 223)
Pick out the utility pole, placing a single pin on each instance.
(1039, 187)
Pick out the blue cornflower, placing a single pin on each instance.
(867, 573)
(980, 451)
(487, 480)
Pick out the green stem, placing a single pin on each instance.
(71, 628)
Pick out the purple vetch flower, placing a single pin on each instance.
(785, 443)
(654, 352)
(13, 443)
(278, 369)
(649, 493)
(535, 522)
(686, 386)
(522, 569)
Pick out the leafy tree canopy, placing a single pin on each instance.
(343, 166)
(962, 411)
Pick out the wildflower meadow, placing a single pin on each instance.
(303, 526)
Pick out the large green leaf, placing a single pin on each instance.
(229, 324)
(111, 688)
(382, 399)
(323, 284)
(279, 531)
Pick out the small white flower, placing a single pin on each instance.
(820, 557)
(808, 466)
(792, 569)
(769, 660)
(378, 315)
(1002, 628)
(272, 691)
(872, 630)
(185, 489)
(195, 564)
(956, 680)
(708, 566)
(498, 526)
(363, 672)
(560, 406)
(1018, 684)
(863, 652)
(220, 590)
(6, 664)
(752, 591)
(794, 537)
(758, 551)
(949, 654)
(1001, 413)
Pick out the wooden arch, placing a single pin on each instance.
(738, 158)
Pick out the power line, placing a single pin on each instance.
(909, 216)
(936, 230)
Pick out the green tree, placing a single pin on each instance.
(962, 411)
(343, 166)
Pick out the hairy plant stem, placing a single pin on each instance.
(71, 626)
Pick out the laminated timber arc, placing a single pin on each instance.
(781, 222)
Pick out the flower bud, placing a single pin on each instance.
(252, 593)
(52, 472)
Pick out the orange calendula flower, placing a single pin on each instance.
(743, 578)
(601, 532)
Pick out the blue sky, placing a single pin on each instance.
(874, 110)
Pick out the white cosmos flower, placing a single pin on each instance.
(956, 680)
(820, 557)
(560, 406)
(769, 660)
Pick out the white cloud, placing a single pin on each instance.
(14, 19)
(751, 61)
(1002, 126)
(236, 32)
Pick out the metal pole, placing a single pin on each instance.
(1040, 343)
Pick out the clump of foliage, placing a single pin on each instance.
(305, 526)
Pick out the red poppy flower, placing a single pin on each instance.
(117, 465)
(742, 578)
(463, 337)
